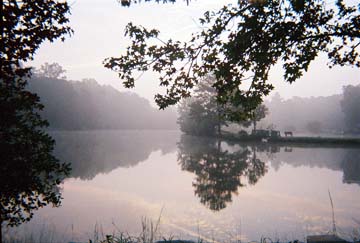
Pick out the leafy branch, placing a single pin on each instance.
(242, 41)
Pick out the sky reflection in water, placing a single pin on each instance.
(121, 176)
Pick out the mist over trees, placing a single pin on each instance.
(72, 105)
(335, 114)
(264, 34)
(350, 106)
(86, 105)
(256, 115)
(203, 114)
(331, 114)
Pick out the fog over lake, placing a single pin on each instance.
(198, 121)
(199, 186)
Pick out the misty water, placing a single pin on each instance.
(198, 187)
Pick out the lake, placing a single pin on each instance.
(198, 187)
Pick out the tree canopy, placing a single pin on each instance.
(87, 105)
(24, 26)
(240, 44)
(202, 114)
(51, 70)
(127, 3)
(29, 173)
(256, 115)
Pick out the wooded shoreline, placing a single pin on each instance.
(298, 141)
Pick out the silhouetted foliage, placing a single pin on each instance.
(202, 114)
(52, 71)
(255, 116)
(24, 26)
(29, 173)
(240, 44)
(127, 3)
(350, 107)
(219, 173)
(195, 119)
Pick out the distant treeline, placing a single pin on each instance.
(86, 105)
(331, 114)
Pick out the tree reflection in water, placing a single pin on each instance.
(30, 176)
(219, 172)
(350, 166)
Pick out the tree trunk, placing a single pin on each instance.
(2, 24)
(1, 239)
(219, 122)
(254, 123)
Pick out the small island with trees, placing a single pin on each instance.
(236, 45)
(203, 115)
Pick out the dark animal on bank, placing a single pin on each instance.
(288, 134)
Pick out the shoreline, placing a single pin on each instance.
(284, 141)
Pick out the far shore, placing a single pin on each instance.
(294, 140)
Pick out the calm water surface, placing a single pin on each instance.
(199, 186)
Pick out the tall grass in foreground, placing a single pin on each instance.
(149, 233)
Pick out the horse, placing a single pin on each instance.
(288, 133)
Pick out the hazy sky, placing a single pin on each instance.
(99, 33)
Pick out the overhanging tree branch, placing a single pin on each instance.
(265, 33)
